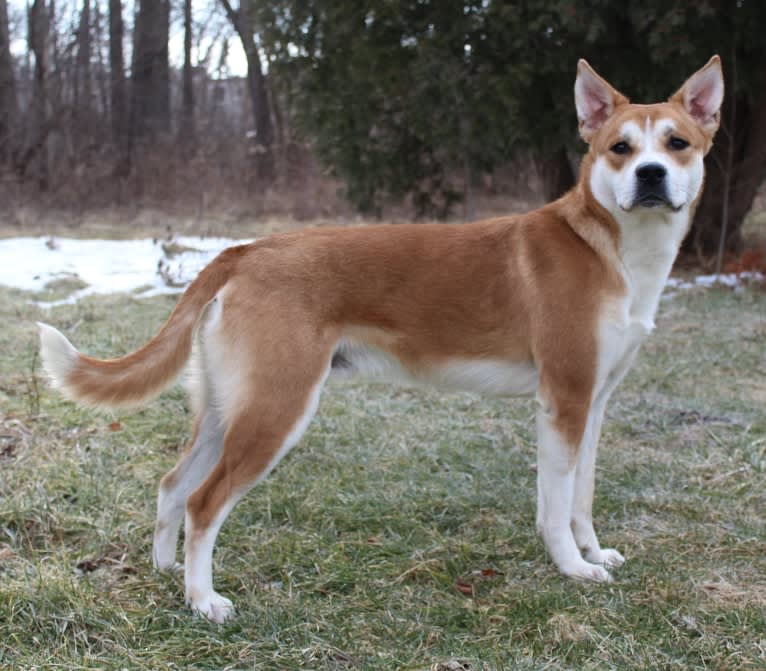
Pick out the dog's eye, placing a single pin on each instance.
(677, 143)
(620, 148)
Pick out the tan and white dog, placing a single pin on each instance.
(554, 303)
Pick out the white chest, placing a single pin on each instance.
(648, 249)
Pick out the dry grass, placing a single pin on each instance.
(400, 533)
(212, 197)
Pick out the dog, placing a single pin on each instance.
(555, 302)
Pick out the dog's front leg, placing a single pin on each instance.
(582, 505)
(557, 454)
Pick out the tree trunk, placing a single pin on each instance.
(556, 174)
(150, 91)
(118, 96)
(258, 92)
(187, 113)
(747, 132)
(82, 88)
(98, 39)
(8, 101)
(264, 129)
(38, 45)
(280, 137)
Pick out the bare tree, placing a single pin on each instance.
(118, 95)
(187, 112)
(264, 129)
(101, 70)
(38, 44)
(82, 87)
(150, 81)
(8, 101)
(736, 168)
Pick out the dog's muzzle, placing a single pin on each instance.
(651, 187)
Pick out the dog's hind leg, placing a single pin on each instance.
(180, 482)
(195, 465)
(275, 409)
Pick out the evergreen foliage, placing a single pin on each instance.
(402, 97)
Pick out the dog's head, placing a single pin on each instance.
(648, 156)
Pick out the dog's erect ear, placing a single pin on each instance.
(702, 95)
(595, 99)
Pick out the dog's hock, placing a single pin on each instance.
(58, 355)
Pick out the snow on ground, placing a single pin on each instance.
(727, 279)
(149, 267)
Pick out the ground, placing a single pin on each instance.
(400, 533)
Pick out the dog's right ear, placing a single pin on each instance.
(595, 99)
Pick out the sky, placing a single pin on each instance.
(211, 27)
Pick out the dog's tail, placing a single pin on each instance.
(138, 377)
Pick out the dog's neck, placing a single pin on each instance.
(649, 243)
(642, 243)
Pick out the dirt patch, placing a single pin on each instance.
(731, 595)
(14, 436)
(565, 629)
(757, 390)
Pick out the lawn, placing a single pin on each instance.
(400, 533)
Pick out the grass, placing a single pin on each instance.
(400, 533)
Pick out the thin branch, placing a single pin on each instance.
(729, 167)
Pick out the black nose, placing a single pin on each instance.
(651, 174)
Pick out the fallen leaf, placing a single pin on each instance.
(7, 554)
(487, 573)
(464, 587)
(87, 565)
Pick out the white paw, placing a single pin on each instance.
(608, 558)
(164, 558)
(583, 570)
(168, 566)
(214, 607)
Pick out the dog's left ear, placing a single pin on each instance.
(702, 95)
(595, 100)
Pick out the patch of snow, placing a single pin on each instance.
(726, 279)
(149, 267)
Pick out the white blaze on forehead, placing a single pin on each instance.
(631, 131)
(651, 136)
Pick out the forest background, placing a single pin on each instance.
(327, 108)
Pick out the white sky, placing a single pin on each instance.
(211, 27)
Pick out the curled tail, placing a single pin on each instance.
(142, 375)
